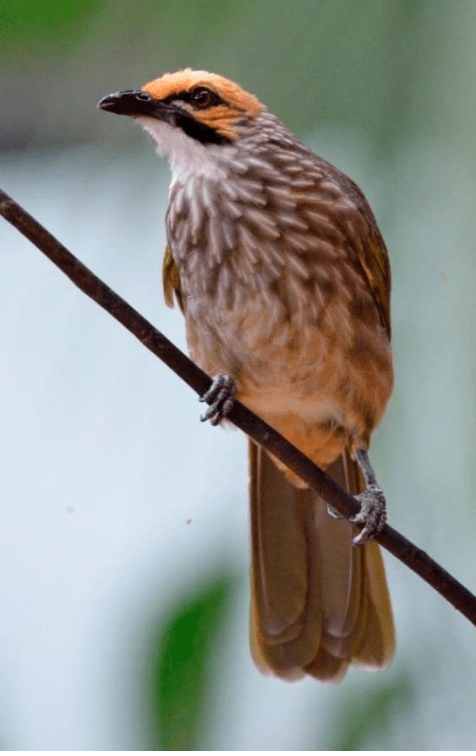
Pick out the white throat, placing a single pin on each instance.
(188, 158)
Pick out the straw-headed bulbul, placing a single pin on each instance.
(276, 261)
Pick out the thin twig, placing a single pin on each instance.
(416, 559)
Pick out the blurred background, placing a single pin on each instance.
(124, 539)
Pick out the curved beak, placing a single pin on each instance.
(133, 102)
(136, 103)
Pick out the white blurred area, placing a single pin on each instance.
(104, 463)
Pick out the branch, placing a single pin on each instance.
(416, 559)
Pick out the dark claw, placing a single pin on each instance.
(220, 398)
(334, 513)
(373, 514)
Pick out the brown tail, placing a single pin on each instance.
(318, 603)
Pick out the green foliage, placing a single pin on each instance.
(40, 23)
(182, 675)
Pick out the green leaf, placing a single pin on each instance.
(183, 669)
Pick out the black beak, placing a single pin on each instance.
(132, 102)
(136, 102)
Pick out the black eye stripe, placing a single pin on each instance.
(188, 96)
(199, 131)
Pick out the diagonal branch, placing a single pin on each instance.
(243, 418)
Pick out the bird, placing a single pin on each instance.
(276, 261)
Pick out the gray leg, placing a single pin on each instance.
(373, 510)
(220, 398)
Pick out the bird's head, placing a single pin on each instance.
(188, 112)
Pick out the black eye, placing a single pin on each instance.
(202, 97)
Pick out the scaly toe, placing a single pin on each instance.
(220, 397)
(373, 514)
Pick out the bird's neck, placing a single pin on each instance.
(188, 158)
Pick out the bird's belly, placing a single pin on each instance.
(279, 366)
(305, 376)
(277, 401)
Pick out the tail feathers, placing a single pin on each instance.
(318, 602)
(377, 647)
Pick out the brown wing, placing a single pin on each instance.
(171, 280)
(340, 218)
(358, 224)
(372, 255)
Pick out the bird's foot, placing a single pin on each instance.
(372, 515)
(373, 507)
(334, 513)
(220, 398)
